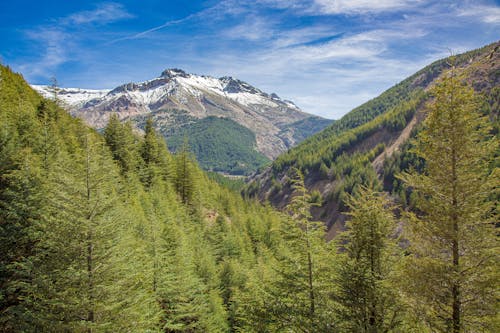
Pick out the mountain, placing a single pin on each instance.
(177, 101)
(86, 236)
(371, 144)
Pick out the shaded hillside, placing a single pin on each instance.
(354, 149)
(219, 144)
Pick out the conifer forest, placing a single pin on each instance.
(382, 221)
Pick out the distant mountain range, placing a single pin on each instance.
(178, 101)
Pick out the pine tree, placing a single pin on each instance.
(301, 294)
(368, 261)
(120, 139)
(453, 270)
(21, 212)
(73, 270)
(186, 301)
(157, 160)
(185, 176)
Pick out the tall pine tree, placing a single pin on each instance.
(453, 268)
(301, 293)
(368, 261)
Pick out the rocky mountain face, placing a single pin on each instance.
(371, 144)
(177, 99)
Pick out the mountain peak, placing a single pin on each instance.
(173, 72)
(232, 86)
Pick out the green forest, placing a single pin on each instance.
(220, 145)
(110, 232)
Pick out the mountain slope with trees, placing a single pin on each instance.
(371, 143)
(112, 232)
(97, 231)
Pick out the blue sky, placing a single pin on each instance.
(327, 56)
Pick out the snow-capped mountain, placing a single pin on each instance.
(73, 97)
(177, 98)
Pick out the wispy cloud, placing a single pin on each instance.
(362, 6)
(220, 9)
(103, 14)
(59, 39)
(55, 44)
(147, 32)
(253, 28)
(487, 14)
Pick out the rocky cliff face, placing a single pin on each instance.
(177, 98)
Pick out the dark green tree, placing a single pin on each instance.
(156, 158)
(367, 265)
(122, 142)
(185, 176)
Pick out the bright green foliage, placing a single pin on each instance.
(235, 184)
(366, 279)
(453, 269)
(72, 271)
(121, 141)
(185, 176)
(354, 127)
(299, 296)
(20, 211)
(156, 161)
(113, 233)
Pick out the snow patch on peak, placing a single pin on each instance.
(232, 86)
(71, 96)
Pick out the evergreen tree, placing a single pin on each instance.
(155, 155)
(73, 269)
(301, 293)
(21, 212)
(366, 269)
(186, 301)
(121, 140)
(453, 268)
(185, 176)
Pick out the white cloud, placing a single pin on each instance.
(295, 37)
(486, 14)
(362, 6)
(102, 14)
(253, 28)
(56, 44)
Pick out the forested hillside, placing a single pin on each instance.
(219, 144)
(370, 144)
(112, 233)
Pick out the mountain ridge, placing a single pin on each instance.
(177, 99)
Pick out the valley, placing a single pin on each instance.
(206, 203)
